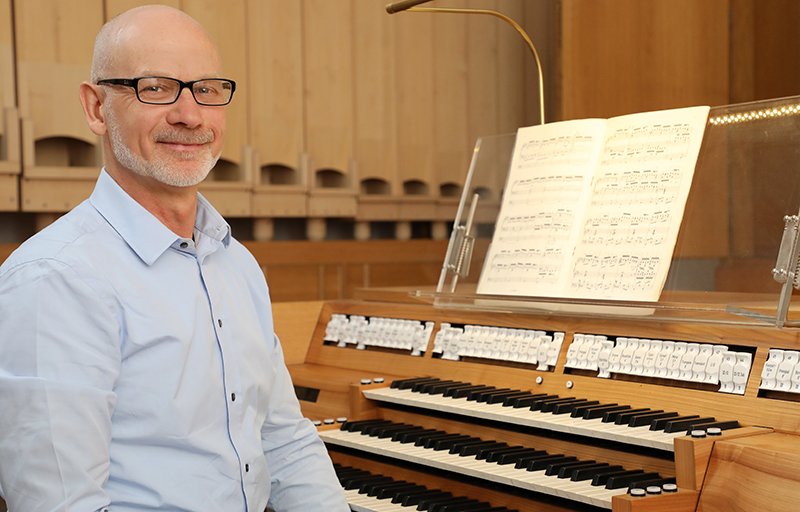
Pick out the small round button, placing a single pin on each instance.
(184, 245)
(653, 489)
(328, 421)
(247, 468)
(569, 384)
(233, 397)
(366, 381)
(341, 419)
(714, 431)
(698, 434)
(316, 423)
(377, 380)
(636, 491)
(539, 380)
(669, 488)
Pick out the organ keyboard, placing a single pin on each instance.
(555, 413)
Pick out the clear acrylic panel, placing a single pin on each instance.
(747, 180)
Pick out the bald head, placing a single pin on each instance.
(146, 29)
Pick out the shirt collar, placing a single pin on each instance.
(140, 229)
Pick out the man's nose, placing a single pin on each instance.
(185, 110)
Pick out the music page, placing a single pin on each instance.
(592, 208)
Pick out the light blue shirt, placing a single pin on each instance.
(140, 371)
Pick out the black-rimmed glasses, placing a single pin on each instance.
(161, 90)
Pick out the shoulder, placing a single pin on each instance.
(68, 245)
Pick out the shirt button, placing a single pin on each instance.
(219, 321)
(184, 245)
(247, 468)
(233, 397)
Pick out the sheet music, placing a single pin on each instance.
(592, 208)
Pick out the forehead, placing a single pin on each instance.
(178, 49)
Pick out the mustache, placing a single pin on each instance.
(184, 137)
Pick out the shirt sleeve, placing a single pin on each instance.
(303, 478)
(59, 359)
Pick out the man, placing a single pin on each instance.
(138, 365)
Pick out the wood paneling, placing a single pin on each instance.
(624, 56)
(328, 62)
(9, 115)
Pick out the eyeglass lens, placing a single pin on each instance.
(166, 90)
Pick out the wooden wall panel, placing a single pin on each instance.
(9, 114)
(414, 104)
(221, 20)
(451, 141)
(275, 85)
(115, 7)
(482, 72)
(374, 92)
(328, 63)
(54, 42)
(623, 56)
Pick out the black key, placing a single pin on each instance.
(589, 473)
(459, 445)
(413, 492)
(464, 392)
(496, 398)
(624, 418)
(373, 484)
(568, 407)
(527, 401)
(445, 443)
(648, 418)
(602, 476)
(456, 501)
(620, 481)
(390, 491)
(542, 463)
(423, 387)
(687, 423)
(477, 506)
(473, 395)
(496, 454)
(421, 440)
(514, 457)
(485, 453)
(547, 405)
(599, 411)
(660, 423)
(568, 471)
(442, 390)
(554, 467)
(611, 416)
(358, 426)
(471, 506)
(427, 503)
(416, 499)
(407, 383)
(526, 461)
(484, 397)
(580, 410)
(472, 449)
(358, 482)
(410, 437)
(396, 435)
(502, 399)
(722, 425)
(377, 430)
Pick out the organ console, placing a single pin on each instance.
(555, 411)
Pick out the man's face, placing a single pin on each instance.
(176, 144)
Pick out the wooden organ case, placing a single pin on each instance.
(692, 403)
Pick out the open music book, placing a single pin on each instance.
(592, 208)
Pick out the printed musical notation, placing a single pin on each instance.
(603, 273)
(592, 207)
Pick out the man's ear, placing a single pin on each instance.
(92, 108)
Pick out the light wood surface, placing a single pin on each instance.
(294, 325)
(706, 469)
(9, 193)
(754, 473)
